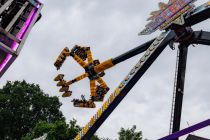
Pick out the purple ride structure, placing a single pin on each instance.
(175, 19)
(17, 17)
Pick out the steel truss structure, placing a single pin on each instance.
(177, 31)
(17, 17)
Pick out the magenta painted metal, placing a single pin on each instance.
(19, 36)
(187, 130)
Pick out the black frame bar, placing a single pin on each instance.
(129, 85)
(132, 52)
(195, 18)
(179, 89)
(198, 37)
(201, 37)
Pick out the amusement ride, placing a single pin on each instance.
(175, 20)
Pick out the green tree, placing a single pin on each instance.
(130, 134)
(73, 129)
(22, 106)
(56, 131)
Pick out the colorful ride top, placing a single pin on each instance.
(171, 13)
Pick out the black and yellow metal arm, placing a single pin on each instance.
(89, 56)
(94, 70)
(102, 83)
(103, 66)
(79, 78)
(61, 58)
(125, 86)
(112, 62)
(93, 88)
(79, 61)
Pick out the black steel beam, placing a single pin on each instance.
(201, 37)
(129, 85)
(197, 17)
(179, 91)
(132, 52)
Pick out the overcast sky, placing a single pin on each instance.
(110, 27)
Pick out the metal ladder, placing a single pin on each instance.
(174, 94)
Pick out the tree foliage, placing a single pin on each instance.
(56, 131)
(130, 134)
(73, 129)
(26, 113)
(22, 106)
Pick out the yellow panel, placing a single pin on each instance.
(86, 126)
(85, 129)
(78, 137)
(105, 105)
(117, 91)
(121, 85)
(99, 112)
(92, 121)
(111, 97)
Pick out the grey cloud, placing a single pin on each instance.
(110, 27)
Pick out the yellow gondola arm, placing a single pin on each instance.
(89, 56)
(82, 77)
(93, 88)
(79, 61)
(102, 83)
(103, 66)
(78, 78)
